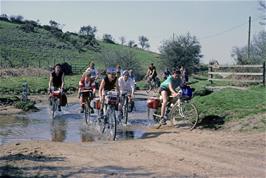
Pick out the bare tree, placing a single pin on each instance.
(108, 38)
(87, 31)
(131, 43)
(143, 41)
(123, 40)
(126, 58)
(54, 24)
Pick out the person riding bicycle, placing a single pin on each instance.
(166, 73)
(119, 70)
(56, 81)
(126, 86)
(167, 88)
(108, 83)
(151, 73)
(86, 83)
(94, 72)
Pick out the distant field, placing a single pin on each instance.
(43, 49)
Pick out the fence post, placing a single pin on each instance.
(263, 79)
(210, 75)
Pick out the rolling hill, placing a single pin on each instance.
(43, 48)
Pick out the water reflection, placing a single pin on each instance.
(58, 129)
(68, 126)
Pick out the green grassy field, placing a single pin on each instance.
(37, 85)
(228, 104)
(42, 49)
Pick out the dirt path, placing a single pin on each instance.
(165, 152)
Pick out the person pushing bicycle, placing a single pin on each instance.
(86, 83)
(168, 88)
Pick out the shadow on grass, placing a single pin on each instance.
(211, 122)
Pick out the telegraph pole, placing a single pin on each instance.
(249, 27)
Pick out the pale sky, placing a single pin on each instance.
(218, 25)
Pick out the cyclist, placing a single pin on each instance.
(56, 81)
(108, 83)
(126, 85)
(151, 73)
(86, 83)
(118, 70)
(94, 72)
(166, 73)
(167, 88)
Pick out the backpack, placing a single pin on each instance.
(63, 99)
(186, 92)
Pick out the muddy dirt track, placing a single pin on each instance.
(163, 153)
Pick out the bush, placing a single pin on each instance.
(26, 105)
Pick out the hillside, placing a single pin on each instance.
(42, 48)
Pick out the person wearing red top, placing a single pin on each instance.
(86, 83)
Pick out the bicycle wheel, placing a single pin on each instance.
(87, 112)
(184, 115)
(125, 111)
(110, 127)
(54, 107)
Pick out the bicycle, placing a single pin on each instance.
(88, 96)
(127, 106)
(179, 110)
(153, 85)
(109, 123)
(54, 101)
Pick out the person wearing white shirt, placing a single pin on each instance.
(94, 72)
(126, 86)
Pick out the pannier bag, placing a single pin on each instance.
(186, 92)
(63, 99)
(111, 98)
(97, 104)
(153, 103)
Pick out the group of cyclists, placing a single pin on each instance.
(122, 81)
(114, 78)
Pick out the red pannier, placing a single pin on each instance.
(97, 104)
(153, 103)
(56, 93)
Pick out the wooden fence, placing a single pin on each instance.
(235, 73)
(79, 68)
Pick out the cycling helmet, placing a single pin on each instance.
(125, 73)
(110, 70)
(87, 74)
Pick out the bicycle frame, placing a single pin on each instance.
(110, 119)
(54, 97)
(87, 95)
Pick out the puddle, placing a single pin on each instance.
(68, 126)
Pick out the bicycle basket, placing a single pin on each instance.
(186, 92)
(56, 93)
(111, 99)
(153, 103)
